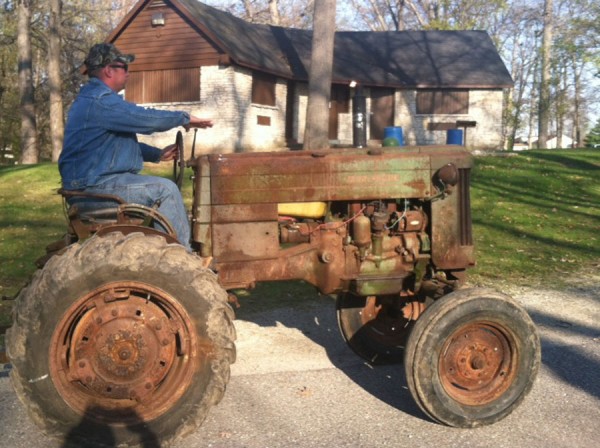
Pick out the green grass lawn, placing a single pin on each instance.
(536, 218)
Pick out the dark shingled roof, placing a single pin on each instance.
(408, 59)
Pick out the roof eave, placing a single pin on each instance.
(126, 20)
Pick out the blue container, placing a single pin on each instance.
(394, 132)
(454, 137)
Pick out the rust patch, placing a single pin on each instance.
(127, 348)
(477, 363)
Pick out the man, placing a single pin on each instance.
(101, 153)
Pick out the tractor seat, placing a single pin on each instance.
(101, 215)
(89, 212)
(91, 208)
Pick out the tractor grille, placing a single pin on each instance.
(464, 207)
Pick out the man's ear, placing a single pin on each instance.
(107, 71)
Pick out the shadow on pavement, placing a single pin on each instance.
(316, 318)
(318, 322)
(92, 433)
(569, 361)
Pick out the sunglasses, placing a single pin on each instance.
(124, 67)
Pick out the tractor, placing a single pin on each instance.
(122, 331)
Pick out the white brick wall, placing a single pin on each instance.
(226, 99)
(485, 107)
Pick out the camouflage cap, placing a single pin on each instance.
(101, 55)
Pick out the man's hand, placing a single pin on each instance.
(170, 152)
(196, 122)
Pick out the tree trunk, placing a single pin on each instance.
(316, 132)
(274, 12)
(29, 152)
(578, 131)
(544, 103)
(54, 79)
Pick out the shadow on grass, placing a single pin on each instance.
(15, 168)
(571, 161)
(588, 250)
(546, 206)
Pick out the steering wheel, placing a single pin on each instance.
(179, 162)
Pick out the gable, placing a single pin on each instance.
(178, 44)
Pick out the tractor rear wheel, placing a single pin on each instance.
(472, 357)
(123, 340)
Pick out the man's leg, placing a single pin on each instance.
(148, 191)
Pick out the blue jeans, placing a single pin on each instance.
(145, 190)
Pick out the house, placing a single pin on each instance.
(565, 142)
(252, 79)
(553, 142)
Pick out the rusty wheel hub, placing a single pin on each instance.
(477, 363)
(124, 347)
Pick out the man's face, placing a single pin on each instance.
(119, 74)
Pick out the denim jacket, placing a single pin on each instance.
(100, 136)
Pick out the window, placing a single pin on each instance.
(164, 86)
(443, 102)
(263, 89)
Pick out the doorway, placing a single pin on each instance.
(382, 112)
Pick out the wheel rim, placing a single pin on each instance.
(125, 352)
(477, 363)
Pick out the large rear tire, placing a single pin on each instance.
(122, 340)
(472, 357)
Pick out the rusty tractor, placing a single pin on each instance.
(122, 328)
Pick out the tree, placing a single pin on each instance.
(29, 151)
(316, 132)
(593, 138)
(544, 100)
(9, 92)
(522, 59)
(289, 13)
(54, 79)
(398, 15)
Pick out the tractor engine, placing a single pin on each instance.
(372, 224)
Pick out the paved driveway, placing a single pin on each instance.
(297, 384)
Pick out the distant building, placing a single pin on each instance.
(552, 142)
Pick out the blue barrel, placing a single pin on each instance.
(454, 137)
(394, 132)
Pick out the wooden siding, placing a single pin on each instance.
(177, 44)
(263, 89)
(382, 112)
(444, 102)
(164, 86)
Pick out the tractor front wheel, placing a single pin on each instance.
(472, 357)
